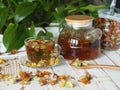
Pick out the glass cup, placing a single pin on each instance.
(41, 49)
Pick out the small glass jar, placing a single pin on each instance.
(110, 27)
(79, 39)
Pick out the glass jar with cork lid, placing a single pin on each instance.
(79, 39)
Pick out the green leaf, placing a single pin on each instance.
(11, 16)
(95, 14)
(49, 34)
(32, 31)
(2, 5)
(3, 16)
(23, 10)
(14, 36)
(41, 33)
(44, 35)
(92, 7)
(6, 37)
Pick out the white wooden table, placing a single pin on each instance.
(102, 79)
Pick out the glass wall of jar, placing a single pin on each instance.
(79, 39)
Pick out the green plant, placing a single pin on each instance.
(18, 15)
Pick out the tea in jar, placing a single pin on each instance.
(79, 39)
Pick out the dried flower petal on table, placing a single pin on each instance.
(63, 77)
(52, 82)
(88, 76)
(69, 84)
(55, 77)
(13, 80)
(76, 62)
(43, 81)
(85, 78)
(4, 77)
(45, 77)
(14, 51)
(2, 61)
(39, 74)
(62, 83)
(66, 84)
(79, 63)
(41, 77)
(56, 61)
(46, 73)
(84, 63)
(25, 77)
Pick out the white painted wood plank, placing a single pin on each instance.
(118, 51)
(113, 74)
(113, 56)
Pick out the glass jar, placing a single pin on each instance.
(79, 39)
(110, 27)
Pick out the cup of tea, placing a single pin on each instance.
(41, 49)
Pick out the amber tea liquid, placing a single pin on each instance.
(77, 48)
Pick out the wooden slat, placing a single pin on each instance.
(114, 76)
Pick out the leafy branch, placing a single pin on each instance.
(18, 15)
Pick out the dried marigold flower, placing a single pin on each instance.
(13, 81)
(30, 43)
(84, 63)
(85, 78)
(39, 74)
(69, 84)
(88, 76)
(62, 84)
(57, 61)
(24, 76)
(62, 77)
(55, 76)
(43, 81)
(37, 48)
(52, 82)
(4, 76)
(79, 63)
(14, 51)
(2, 61)
(39, 41)
(46, 73)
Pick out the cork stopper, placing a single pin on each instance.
(77, 21)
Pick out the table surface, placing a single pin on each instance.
(102, 79)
